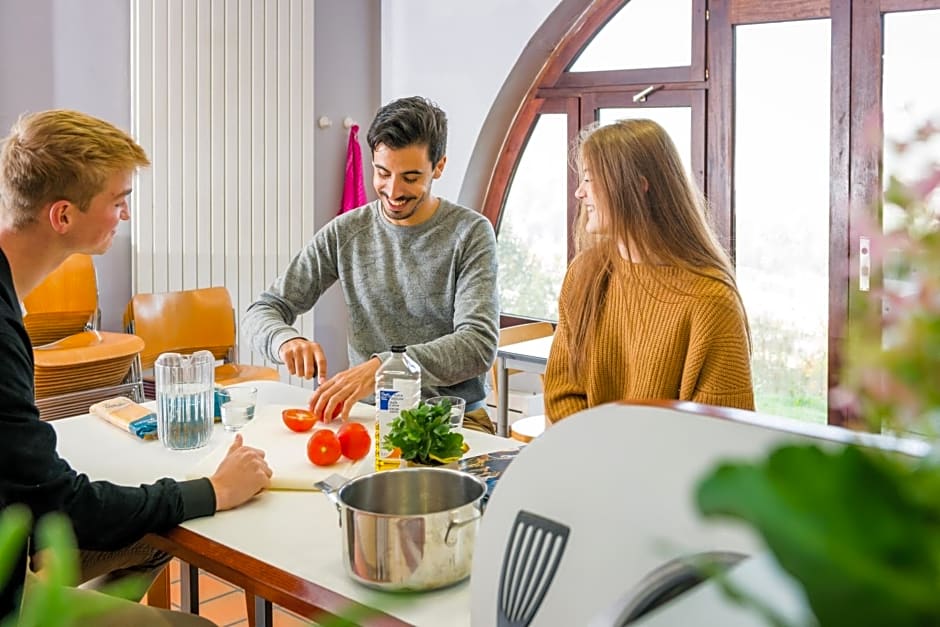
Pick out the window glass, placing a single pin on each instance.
(643, 34)
(676, 120)
(781, 201)
(909, 99)
(909, 103)
(532, 240)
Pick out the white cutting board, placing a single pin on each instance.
(286, 450)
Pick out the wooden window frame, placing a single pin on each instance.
(855, 160)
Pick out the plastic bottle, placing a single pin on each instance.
(397, 387)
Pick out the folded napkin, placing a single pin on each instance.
(125, 414)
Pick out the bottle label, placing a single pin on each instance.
(404, 394)
(390, 401)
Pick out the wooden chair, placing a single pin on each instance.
(187, 321)
(77, 365)
(529, 427)
(66, 302)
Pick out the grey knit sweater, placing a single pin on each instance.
(431, 287)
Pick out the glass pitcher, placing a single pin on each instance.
(184, 399)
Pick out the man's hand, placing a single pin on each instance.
(303, 358)
(241, 475)
(344, 388)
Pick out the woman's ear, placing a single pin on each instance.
(646, 184)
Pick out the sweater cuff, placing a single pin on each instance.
(278, 339)
(198, 498)
(382, 356)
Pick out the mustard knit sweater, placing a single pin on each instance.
(664, 333)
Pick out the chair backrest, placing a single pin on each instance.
(182, 322)
(519, 333)
(64, 303)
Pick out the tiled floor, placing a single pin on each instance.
(223, 603)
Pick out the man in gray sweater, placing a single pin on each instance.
(415, 269)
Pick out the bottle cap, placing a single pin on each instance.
(398, 348)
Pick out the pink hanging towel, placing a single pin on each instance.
(354, 190)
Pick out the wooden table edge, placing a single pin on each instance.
(262, 579)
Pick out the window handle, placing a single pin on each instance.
(641, 96)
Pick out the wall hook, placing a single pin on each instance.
(348, 122)
(324, 122)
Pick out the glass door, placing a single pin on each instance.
(781, 210)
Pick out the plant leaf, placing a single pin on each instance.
(851, 526)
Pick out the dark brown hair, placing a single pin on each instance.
(413, 121)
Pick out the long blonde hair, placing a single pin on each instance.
(650, 206)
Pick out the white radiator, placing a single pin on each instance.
(222, 96)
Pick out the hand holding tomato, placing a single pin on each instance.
(323, 448)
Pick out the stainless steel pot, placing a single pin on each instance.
(408, 529)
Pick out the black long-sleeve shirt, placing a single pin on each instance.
(105, 516)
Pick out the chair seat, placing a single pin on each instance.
(528, 428)
(230, 374)
(86, 348)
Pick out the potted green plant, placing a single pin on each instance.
(859, 529)
(425, 436)
(46, 601)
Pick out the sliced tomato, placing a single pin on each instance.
(298, 420)
(354, 440)
(323, 448)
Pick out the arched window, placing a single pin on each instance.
(773, 106)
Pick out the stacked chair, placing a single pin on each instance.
(187, 321)
(76, 364)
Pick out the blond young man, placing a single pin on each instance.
(64, 182)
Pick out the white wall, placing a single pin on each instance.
(64, 53)
(75, 55)
(347, 62)
(457, 54)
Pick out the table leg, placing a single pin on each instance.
(264, 613)
(189, 588)
(502, 400)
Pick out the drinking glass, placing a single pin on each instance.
(238, 406)
(457, 406)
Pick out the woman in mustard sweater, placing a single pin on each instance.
(649, 308)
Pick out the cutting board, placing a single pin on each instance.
(286, 450)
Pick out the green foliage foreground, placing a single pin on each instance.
(860, 530)
(50, 600)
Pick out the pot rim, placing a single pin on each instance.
(475, 502)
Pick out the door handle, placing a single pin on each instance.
(864, 264)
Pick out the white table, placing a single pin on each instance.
(284, 546)
(528, 356)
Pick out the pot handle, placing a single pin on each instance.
(457, 524)
(330, 487)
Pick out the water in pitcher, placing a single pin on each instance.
(185, 416)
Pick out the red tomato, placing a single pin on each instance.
(298, 420)
(354, 440)
(336, 411)
(323, 449)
